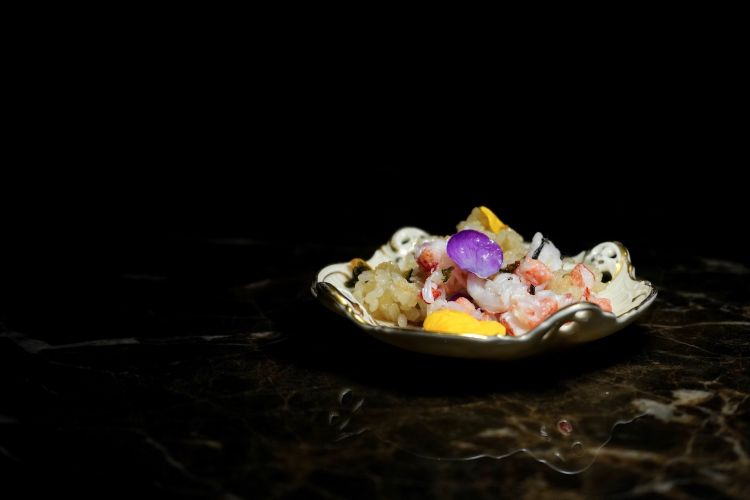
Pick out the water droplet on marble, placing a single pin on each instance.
(565, 427)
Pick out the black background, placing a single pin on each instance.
(142, 187)
(123, 217)
(204, 184)
(124, 154)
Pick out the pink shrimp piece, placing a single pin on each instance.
(605, 304)
(462, 304)
(583, 277)
(465, 304)
(533, 312)
(428, 260)
(529, 310)
(509, 328)
(533, 272)
(488, 316)
(430, 290)
(470, 308)
(495, 295)
(433, 255)
(442, 272)
(565, 300)
(431, 296)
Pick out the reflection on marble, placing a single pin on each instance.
(255, 391)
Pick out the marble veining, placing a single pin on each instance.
(261, 393)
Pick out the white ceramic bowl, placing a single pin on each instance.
(575, 324)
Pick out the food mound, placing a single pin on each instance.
(483, 280)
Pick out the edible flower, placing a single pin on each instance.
(491, 221)
(475, 252)
(450, 321)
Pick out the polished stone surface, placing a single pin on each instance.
(230, 381)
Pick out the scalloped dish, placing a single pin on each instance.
(484, 292)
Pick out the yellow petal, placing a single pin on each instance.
(450, 321)
(490, 220)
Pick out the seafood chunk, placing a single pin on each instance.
(495, 295)
(533, 272)
(584, 278)
(527, 311)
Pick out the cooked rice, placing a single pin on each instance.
(388, 296)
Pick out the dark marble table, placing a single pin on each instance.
(221, 377)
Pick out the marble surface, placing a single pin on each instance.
(228, 380)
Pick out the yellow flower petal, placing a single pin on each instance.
(450, 321)
(490, 220)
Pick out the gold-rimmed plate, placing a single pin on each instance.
(578, 323)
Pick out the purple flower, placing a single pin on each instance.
(475, 252)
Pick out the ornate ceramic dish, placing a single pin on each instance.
(575, 324)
